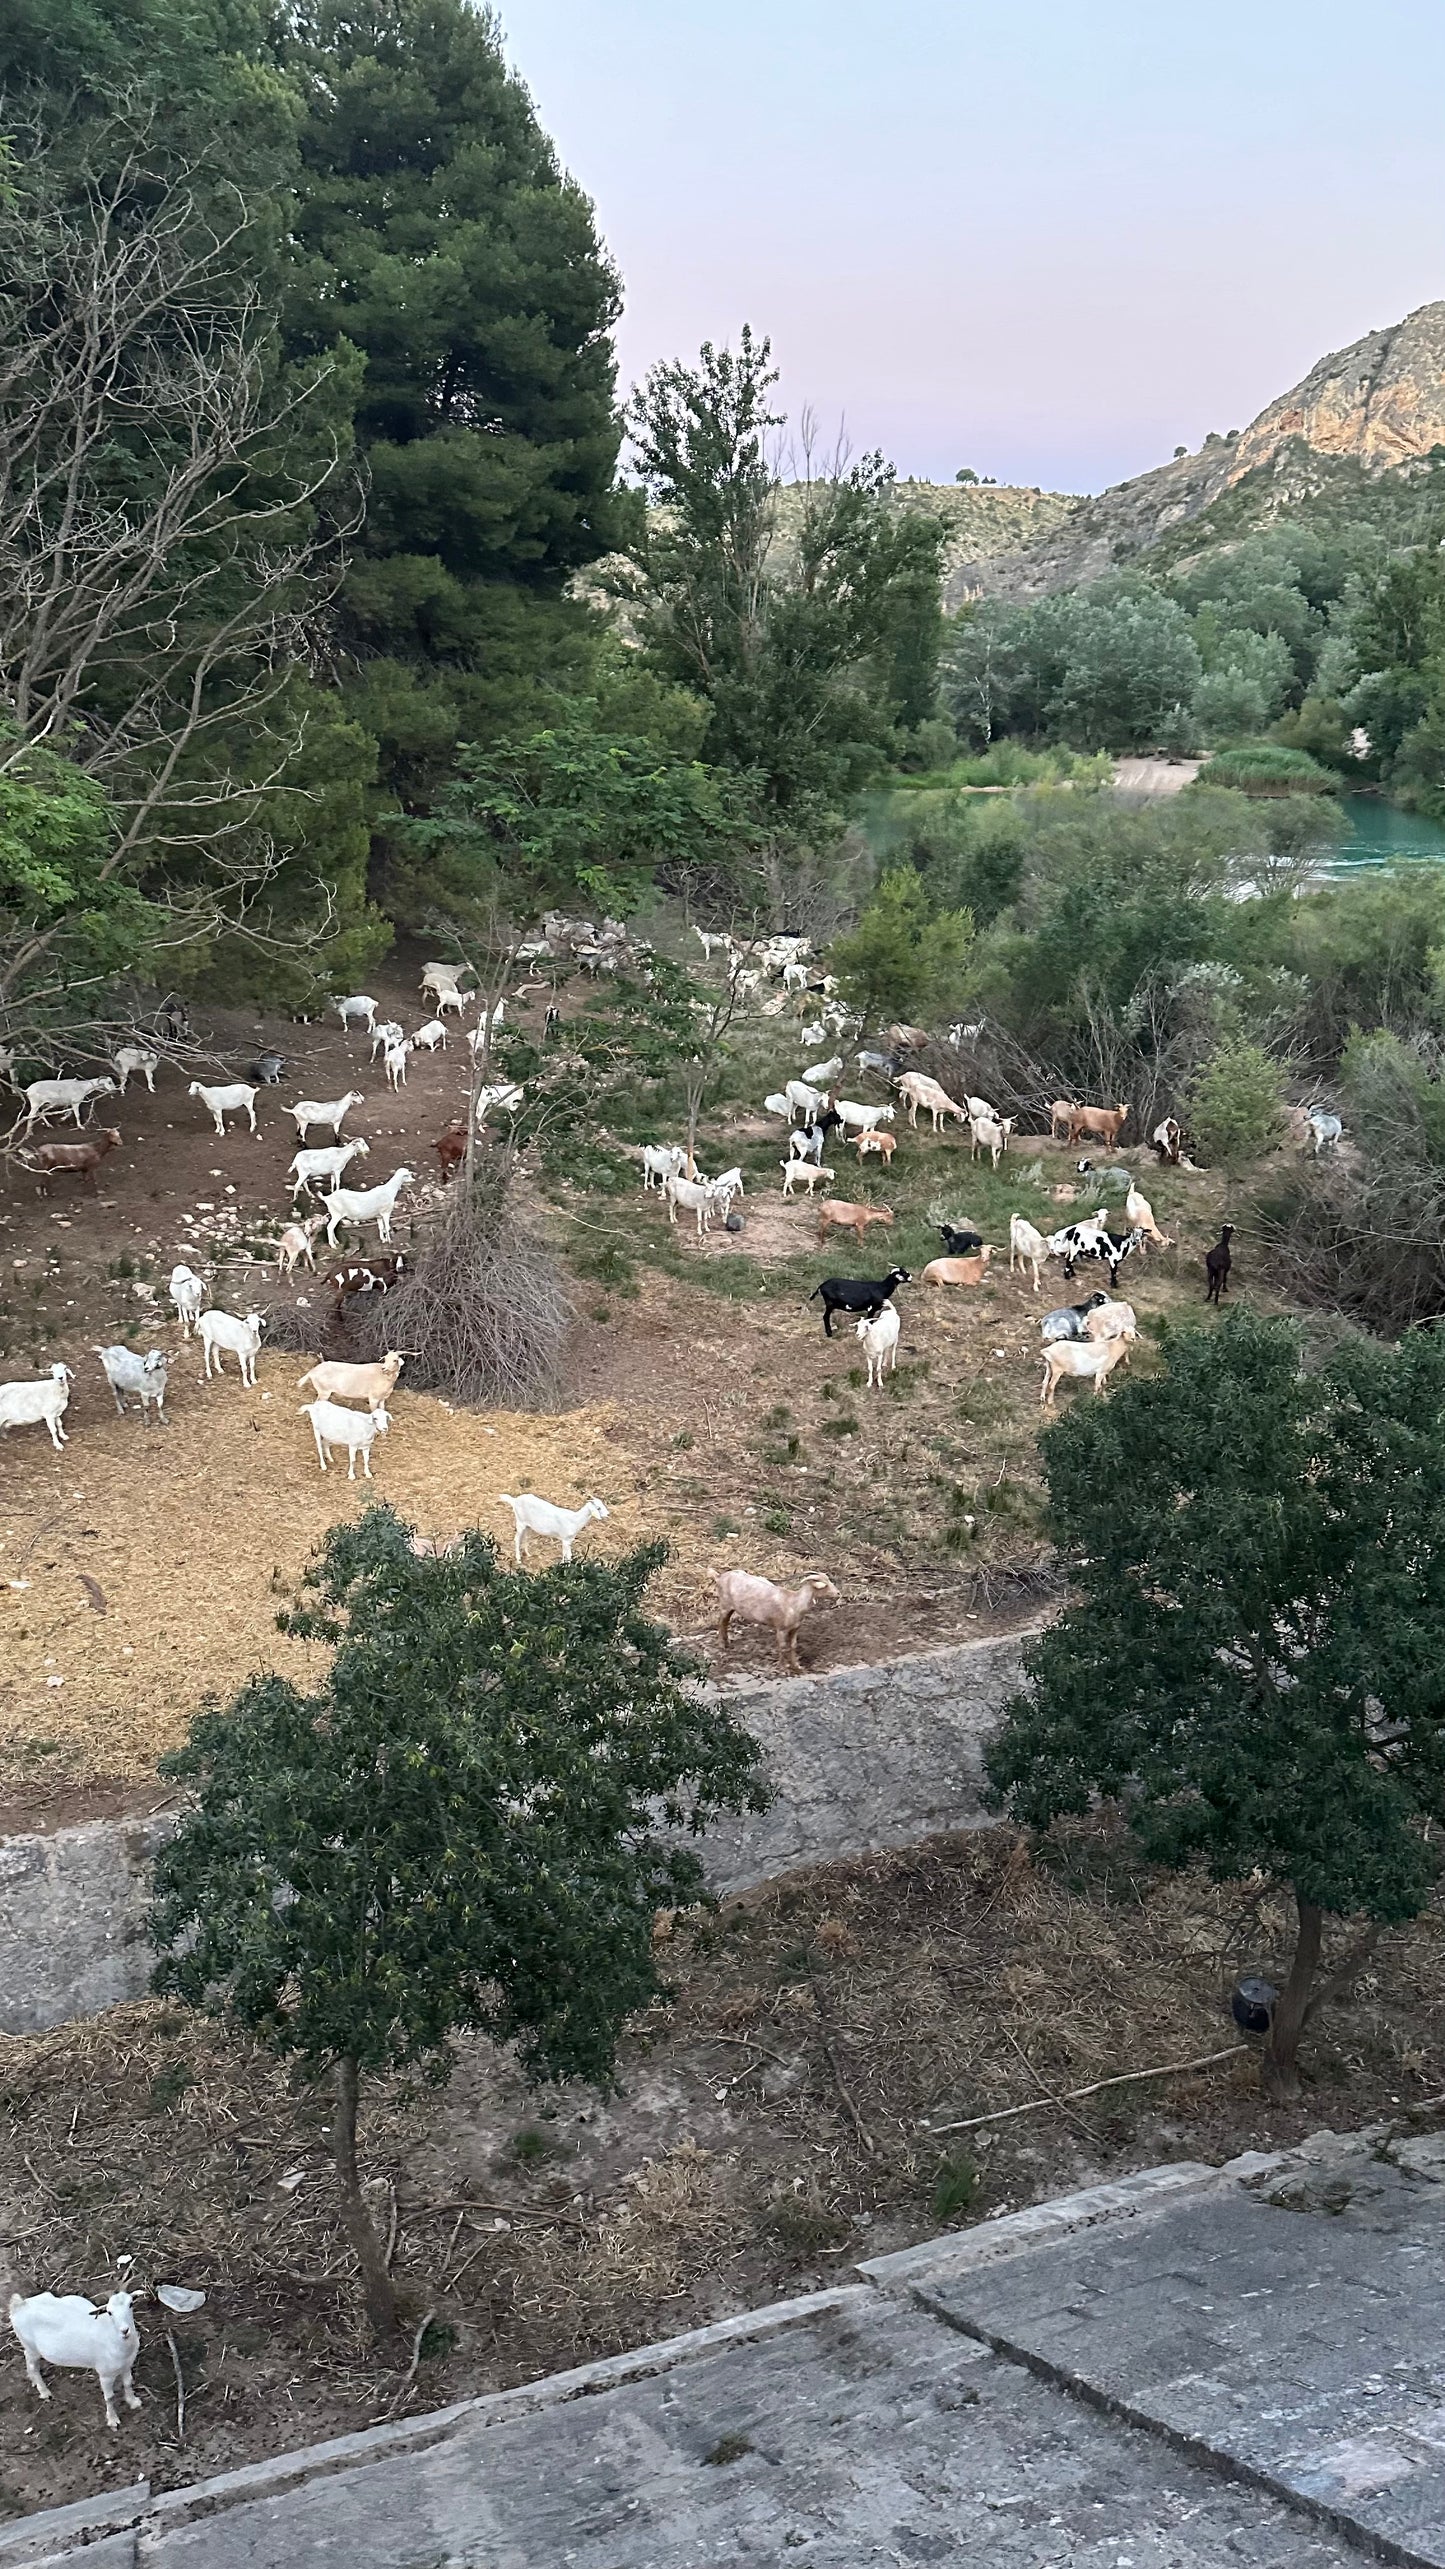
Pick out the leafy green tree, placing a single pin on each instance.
(1249, 1671)
(903, 959)
(1125, 658)
(466, 1828)
(436, 231)
(807, 619)
(1237, 1107)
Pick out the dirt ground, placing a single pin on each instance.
(786, 2114)
(706, 1405)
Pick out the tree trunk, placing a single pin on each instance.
(1278, 2072)
(378, 2291)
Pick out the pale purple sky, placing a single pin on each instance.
(1052, 239)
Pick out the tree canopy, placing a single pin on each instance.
(1249, 1669)
(467, 1827)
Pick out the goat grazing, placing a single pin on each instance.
(135, 1057)
(330, 1111)
(1217, 1263)
(430, 1036)
(1139, 1214)
(1111, 1320)
(369, 1204)
(236, 1099)
(362, 1276)
(47, 1097)
(307, 1166)
(805, 1173)
(70, 1159)
(835, 1214)
(960, 1242)
(1168, 1140)
(985, 1134)
(27, 1404)
(354, 1430)
(358, 1010)
(451, 1148)
(859, 1297)
(744, 1598)
(880, 1342)
(916, 1090)
(1071, 1320)
(883, 1143)
(531, 1515)
(1093, 1362)
(372, 1383)
(125, 1371)
(219, 1329)
(67, 2330)
(1327, 1129)
(1060, 1115)
(187, 1293)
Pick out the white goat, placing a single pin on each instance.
(916, 1090)
(372, 1383)
(861, 1119)
(369, 1204)
(125, 1371)
(802, 1100)
(429, 1036)
(478, 1036)
(295, 1244)
(820, 1074)
(1027, 1245)
(354, 1429)
(985, 1133)
(457, 1001)
(1111, 1320)
(396, 1055)
(1139, 1214)
(390, 1031)
(357, 1007)
(330, 1110)
(880, 1342)
(437, 977)
(707, 939)
(236, 1099)
(660, 1161)
(695, 1196)
(727, 1184)
(26, 1404)
(218, 1329)
(777, 1104)
(134, 1057)
(795, 976)
(805, 1173)
(187, 1293)
(309, 1165)
(505, 1093)
(47, 1097)
(68, 2330)
(531, 1515)
(1089, 1361)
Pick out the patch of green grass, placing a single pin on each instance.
(609, 1265)
(777, 1521)
(787, 1450)
(684, 1441)
(845, 1424)
(168, 2087)
(779, 1416)
(529, 2146)
(722, 1525)
(955, 2188)
(438, 2338)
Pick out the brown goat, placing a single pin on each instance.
(1097, 1124)
(835, 1215)
(451, 1148)
(957, 1271)
(71, 1159)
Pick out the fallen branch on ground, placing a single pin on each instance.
(1126, 2078)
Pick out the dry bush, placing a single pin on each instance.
(484, 1318)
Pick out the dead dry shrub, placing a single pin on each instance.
(484, 1319)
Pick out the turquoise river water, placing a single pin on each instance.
(1381, 834)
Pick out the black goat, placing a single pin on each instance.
(1217, 1263)
(959, 1244)
(862, 1298)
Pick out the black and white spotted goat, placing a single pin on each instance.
(1092, 1238)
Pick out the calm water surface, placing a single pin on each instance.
(1381, 834)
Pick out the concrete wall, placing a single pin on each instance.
(859, 1758)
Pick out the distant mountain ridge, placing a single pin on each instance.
(1372, 409)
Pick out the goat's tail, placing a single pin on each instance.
(504, 1500)
(813, 1296)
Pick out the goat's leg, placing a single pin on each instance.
(107, 2383)
(33, 2373)
(128, 2392)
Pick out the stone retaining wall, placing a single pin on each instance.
(859, 1758)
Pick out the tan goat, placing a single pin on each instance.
(371, 1383)
(743, 1598)
(835, 1215)
(957, 1271)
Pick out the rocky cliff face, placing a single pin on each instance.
(1378, 405)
